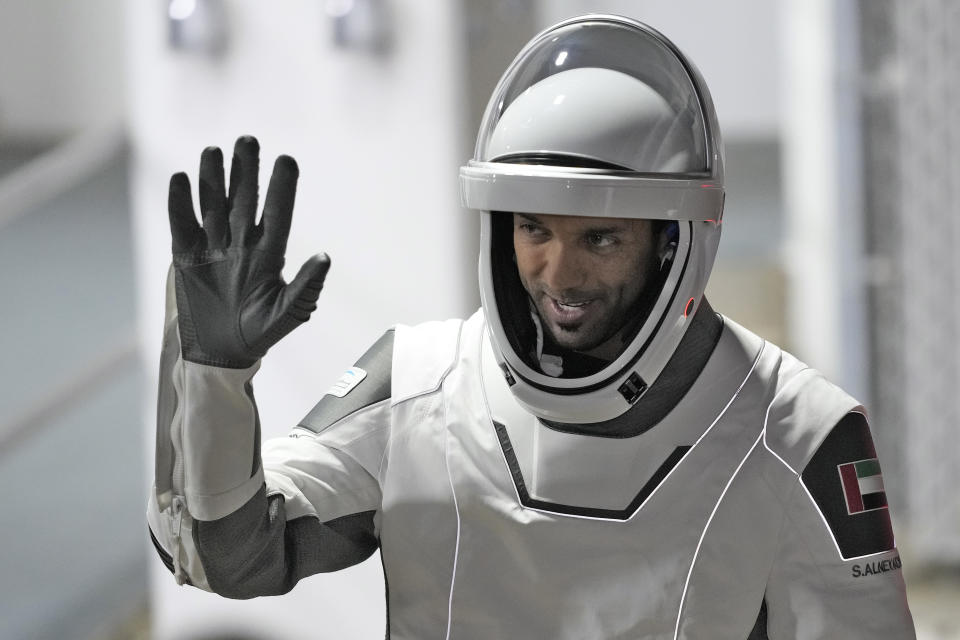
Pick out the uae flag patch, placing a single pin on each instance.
(862, 486)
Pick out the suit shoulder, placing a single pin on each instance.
(423, 355)
(804, 409)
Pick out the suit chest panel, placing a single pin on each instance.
(577, 549)
(579, 557)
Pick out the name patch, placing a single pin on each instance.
(350, 379)
(873, 568)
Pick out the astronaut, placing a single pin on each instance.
(595, 453)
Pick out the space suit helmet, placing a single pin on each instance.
(597, 116)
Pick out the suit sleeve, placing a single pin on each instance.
(227, 518)
(837, 572)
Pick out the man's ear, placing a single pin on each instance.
(663, 241)
(667, 243)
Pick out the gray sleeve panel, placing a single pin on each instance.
(255, 551)
(859, 529)
(376, 387)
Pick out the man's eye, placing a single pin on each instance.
(601, 240)
(531, 229)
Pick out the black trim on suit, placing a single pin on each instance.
(376, 387)
(571, 510)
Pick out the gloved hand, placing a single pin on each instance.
(232, 301)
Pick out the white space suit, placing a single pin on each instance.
(702, 484)
(494, 525)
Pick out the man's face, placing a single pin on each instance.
(584, 274)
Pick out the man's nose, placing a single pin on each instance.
(563, 269)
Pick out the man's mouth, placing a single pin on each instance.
(567, 311)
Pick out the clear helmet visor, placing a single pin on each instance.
(598, 93)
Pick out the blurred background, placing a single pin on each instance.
(841, 123)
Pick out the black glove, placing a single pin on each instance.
(232, 301)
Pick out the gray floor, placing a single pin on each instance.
(72, 532)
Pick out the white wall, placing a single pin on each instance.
(378, 143)
(66, 72)
(734, 44)
(822, 184)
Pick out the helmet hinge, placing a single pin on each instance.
(633, 388)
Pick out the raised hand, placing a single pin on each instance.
(232, 301)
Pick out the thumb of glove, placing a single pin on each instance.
(300, 295)
(290, 307)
